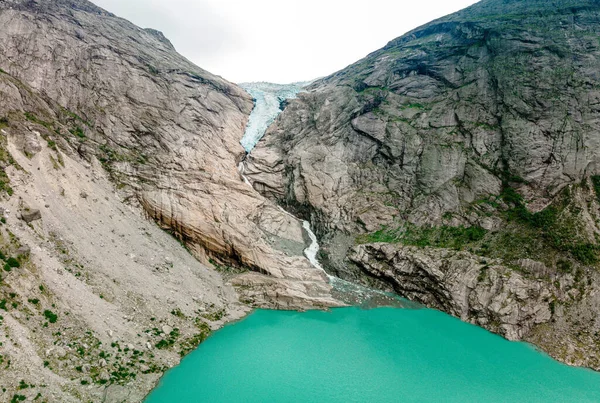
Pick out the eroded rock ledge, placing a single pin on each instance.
(486, 293)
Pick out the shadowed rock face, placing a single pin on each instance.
(167, 131)
(480, 120)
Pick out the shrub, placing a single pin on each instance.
(18, 398)
(564, 266)
(12, 262)
(51, 316)
(78, 131)
(596, 182)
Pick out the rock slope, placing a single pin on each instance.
(96, 302)
(477, 132)
(167, 131)
(103, 125)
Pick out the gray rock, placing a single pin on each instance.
(24, 251)
(490, 295)
(169, 132)
(31, 215)
(420, 128)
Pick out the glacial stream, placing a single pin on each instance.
(269, 99)
(362, 355)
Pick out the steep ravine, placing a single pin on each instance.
(270, 100)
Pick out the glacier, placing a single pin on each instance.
(269, 99)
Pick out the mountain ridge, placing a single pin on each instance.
(474, 133)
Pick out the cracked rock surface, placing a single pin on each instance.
(477, 132)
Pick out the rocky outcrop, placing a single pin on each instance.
(476, 132)
(516, 305)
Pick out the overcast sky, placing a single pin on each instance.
(279, 41)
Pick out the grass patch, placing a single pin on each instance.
(77, 131)
(439, 237)
(34, 119)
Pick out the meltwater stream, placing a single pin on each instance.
(269, 99)
(358, 355)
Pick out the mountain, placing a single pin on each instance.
(459, 166)
(107, 131)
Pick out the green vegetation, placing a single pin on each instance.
(439, 237)
(33, 118)
(122, 375)
(215, 316)
(596, 183)
(153, 70)
(6, 160)
(556, 226)
(51, 316)
(12, 262)
(3, 122)
(23, 385)
(191, 343)
(4, 183)
(169, 341)
(553, 236)
(73, 116)
(18, 398)
(225, 269)
(77, 131)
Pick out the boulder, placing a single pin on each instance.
(31, 215)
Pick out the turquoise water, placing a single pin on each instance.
(378, 355)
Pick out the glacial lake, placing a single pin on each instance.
(377, 355)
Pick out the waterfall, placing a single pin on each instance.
(268, 98)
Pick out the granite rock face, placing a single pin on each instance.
(438, 118)
(166, 130)
(477, 132)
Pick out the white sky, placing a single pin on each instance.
(279, 41)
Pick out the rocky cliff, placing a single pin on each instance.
(103, 125)
(477, 132)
